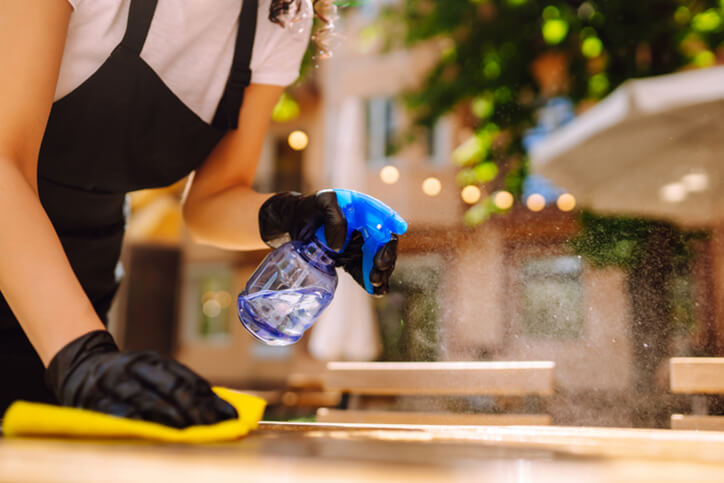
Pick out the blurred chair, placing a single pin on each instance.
(495, 378)
(698, 376)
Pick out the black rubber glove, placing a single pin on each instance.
(91, 373)
(382, 265)
(293, 216)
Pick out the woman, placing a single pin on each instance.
(99, 98)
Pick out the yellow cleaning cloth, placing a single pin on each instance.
(34, 419)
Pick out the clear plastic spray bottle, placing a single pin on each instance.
(295, 283)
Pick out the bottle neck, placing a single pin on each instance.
(317, 255)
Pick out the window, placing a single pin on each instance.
(382, 125)
(208, 302)
(552, 297)
(439, 142)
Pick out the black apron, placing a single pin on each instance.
(121, 130)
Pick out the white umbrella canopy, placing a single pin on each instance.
(654, 147)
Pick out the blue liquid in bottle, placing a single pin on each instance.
(287, 292)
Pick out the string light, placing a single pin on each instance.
(503, 200)
(470, 194)
(566, 202)
(695, 182)
(389, 175)
(535, 202)
(431, 186)
(211, 308)
(673, 192)
(224, 298)
(298, 140)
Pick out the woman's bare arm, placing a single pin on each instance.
(220, 208)
(35, 275)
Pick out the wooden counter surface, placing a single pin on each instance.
(380, 453)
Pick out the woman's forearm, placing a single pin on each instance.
(227, 219)
(220, 208)
(36, 278)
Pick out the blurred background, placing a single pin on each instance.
(559, 164)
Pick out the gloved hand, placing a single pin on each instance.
(90, 372)
(293, 216)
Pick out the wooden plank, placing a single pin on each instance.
(311, 398)
(696, 422)
(510, 378)
(300, 380)
(325, 415)
(697, 375)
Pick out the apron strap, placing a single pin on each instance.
(227, 112)
(140, 15)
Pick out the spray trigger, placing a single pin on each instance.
(375, 221)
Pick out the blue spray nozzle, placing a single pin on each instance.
(373, 219)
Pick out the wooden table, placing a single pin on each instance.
(354, 453)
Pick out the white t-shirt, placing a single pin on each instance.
(190, 45)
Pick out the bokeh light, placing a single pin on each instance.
(592, 47)
(482, 107)
(705, 58)
(551, 12)
(298, 140)
(470, 194)
(695, 182)
(389, 174)
(491, 69)
(706, 21)
(485, 172)
(211, 308)
(673, 192)
(682, 15)
(535, 202)
(431, 186)
(554, 31)
(224, 298)
(503, 200)
(566, 202)
(598, 85)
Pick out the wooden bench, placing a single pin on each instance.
(698, 376)
(528, 378)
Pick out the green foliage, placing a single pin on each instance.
(624, 242)
(286, 109)
(504, 58)
(495, 43)
(617, 241)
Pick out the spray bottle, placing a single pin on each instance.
(295, 283)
